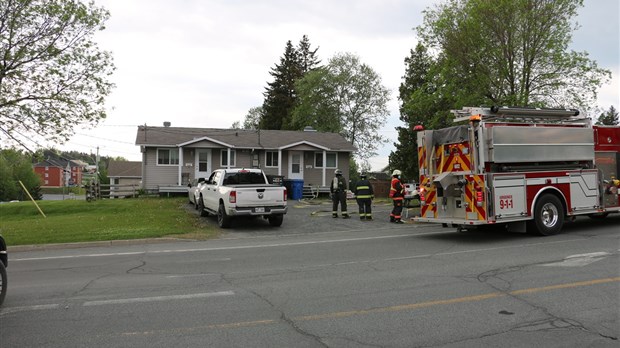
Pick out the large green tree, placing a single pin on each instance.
(16, 166)
(346, 96)
(280, 94)
(609, 117)
(512, 52)
(52, 74)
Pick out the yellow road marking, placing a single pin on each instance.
(398, 308)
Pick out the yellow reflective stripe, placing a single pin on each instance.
(363, 188)
(364, 196)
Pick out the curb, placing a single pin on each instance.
(107, 243)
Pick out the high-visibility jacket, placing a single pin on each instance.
(363, 189)
(397, 190)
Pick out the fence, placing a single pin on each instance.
(99, 191)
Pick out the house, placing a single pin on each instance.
(125, 177)
(125, 172)
(58, 172)
(172, 156)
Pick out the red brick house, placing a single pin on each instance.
(59, 172)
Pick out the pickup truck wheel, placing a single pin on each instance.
(548, 216)
(201, 208)
(223, 220)
(276, 220)
(3, 283)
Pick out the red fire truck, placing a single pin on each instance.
(525, 168)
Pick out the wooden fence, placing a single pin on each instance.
(101, 191)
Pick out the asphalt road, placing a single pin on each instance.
(323, 282)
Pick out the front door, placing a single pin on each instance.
(202, 163)
(296, 165)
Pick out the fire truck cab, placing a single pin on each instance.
(525, 168)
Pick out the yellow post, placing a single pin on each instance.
(32, 199)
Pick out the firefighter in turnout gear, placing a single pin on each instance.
(338, 190)
(364, 195)
(397, 193)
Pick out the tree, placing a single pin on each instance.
(346, 96)
(52, 75)
(609, 117)
(512, 52)
(280, 94)
(16, 166)
(252, 119)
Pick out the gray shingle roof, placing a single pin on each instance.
(240, 138)
(125, 169)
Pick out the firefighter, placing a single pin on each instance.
(397, 193)
(364, 195)
(338, 190)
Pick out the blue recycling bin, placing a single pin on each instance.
(297, 189)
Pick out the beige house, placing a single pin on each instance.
(172, 156)
(125, 176)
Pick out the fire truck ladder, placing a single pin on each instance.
(522, 115)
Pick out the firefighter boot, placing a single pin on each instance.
(334, 215)
(345, 215)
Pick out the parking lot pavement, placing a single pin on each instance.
(311, 217)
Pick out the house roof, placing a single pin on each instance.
(240, 138)
(125, 169)
(57, 162)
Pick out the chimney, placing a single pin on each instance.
(167, 124)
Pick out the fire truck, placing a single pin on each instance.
(526, 169)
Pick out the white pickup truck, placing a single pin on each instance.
(238, 192)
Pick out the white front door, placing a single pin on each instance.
(202, 163)
(295, 165)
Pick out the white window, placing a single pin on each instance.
(271, 159)
(47, 175)
(332, 160)
(224, 158)
(167, 157)
(47, 168)
(47, 182)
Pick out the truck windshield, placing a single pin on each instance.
(242, 178)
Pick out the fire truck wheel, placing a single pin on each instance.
(548, 215)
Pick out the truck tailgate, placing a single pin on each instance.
(260, 196)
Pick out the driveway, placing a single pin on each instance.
(312, 217)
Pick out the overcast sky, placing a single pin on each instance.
(205, 63)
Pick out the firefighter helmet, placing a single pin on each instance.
(337, 172)
(396, 172)
(363, 175)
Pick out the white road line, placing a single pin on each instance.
(193, 275)
(274, 245)
(158, 298)
(9, 310)
(170, 251)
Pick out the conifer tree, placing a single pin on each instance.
(280, 94)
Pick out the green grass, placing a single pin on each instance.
(102, 220)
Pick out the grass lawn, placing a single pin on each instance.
(112, 219)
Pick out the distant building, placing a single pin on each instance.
(57, 172)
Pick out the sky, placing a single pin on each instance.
(205, 63)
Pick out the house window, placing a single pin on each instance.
(167, 156)
(224, 158)
(47, 182)
(332, 160)
(271, 159)
(47, 168)
(47, 175)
